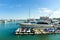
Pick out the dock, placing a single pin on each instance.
(36, 31)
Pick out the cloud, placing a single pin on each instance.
(15, 6)
(2, 5)
(56, 14)
(44, 10)
(18, 5)
(10, 6)
(49, 12)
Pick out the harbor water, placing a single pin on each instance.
(7, 33)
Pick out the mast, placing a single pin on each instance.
(29, 13)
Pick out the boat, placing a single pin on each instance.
(37, 24)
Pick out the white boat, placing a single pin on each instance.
(37, 24)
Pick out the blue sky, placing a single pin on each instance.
(19, 9)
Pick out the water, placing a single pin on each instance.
(7, 33)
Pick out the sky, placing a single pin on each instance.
(19, 9)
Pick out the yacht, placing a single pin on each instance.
(37, 24)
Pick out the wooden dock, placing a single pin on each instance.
(36, 31)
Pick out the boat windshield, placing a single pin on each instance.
(42, 23)
(33, 22)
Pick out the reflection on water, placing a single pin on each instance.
(7, 33)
